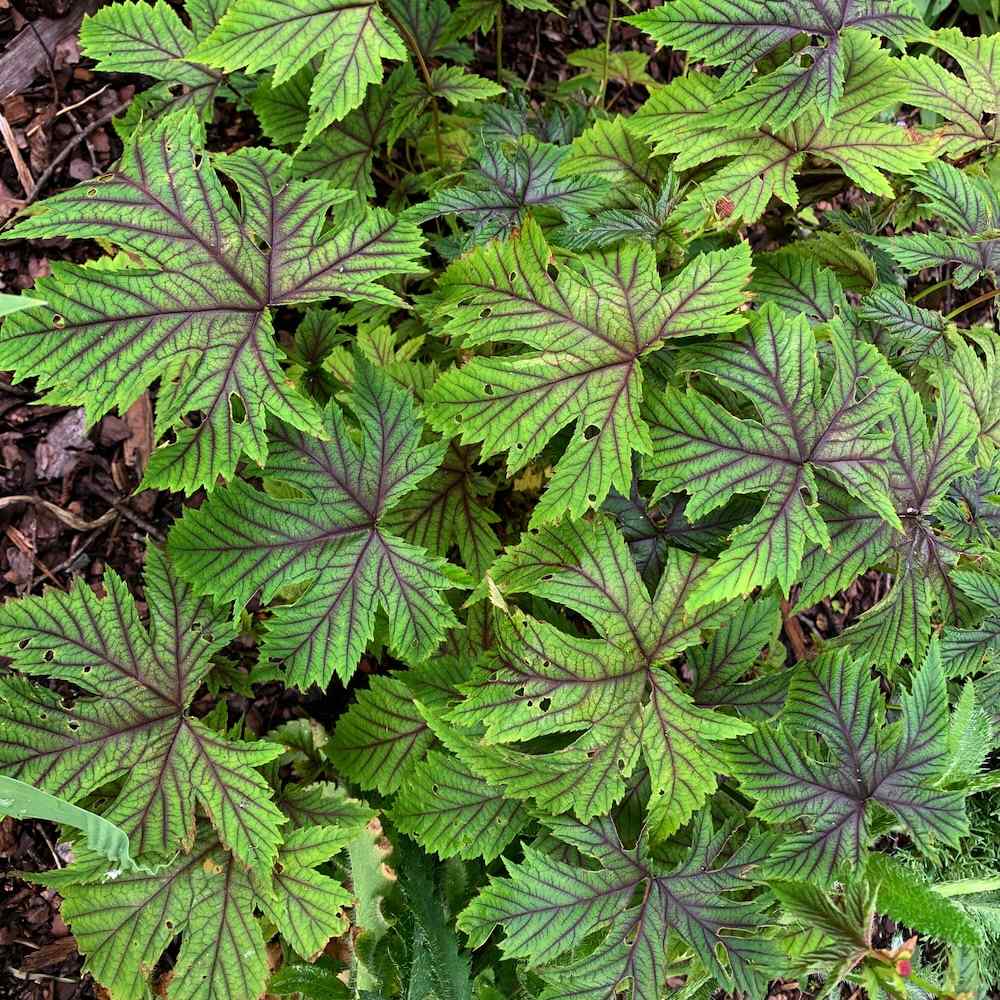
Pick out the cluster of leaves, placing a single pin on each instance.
(545, 443)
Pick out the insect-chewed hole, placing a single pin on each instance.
(24, 644)
(589, 433)
(545, 704)
(58, 321)
(91, 192)
(488, 389)
(485, 313)
(236, 409)
(592, 497)
(48, 656)
(87, 670)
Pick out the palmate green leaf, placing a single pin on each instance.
(803, 429)
(718, 667)
(915, 334)
(921, 465)
(351, 39)
(609, 150)
(501, 185)
(966, 651)
(740, 34)
(615, 693)
(189, 300)
(343, 152)
(762, 162)
(550, 909)
(449, 509)
(586, 330)
(977, 374)
(979, 58)
(866, 763)
(970, 209)
(131, 730)
(151, 39)
(330, 538)
(651, 530)
(123, 926)
(387, 740)
(798, 284)
(380, 739)
(933, 88)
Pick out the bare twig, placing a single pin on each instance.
(23, 173)
(128, 513)
(65, 516)
(69, 147)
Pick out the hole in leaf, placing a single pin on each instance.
(589, 433)
(486, 313)
(592, 497)
(48, 656)
(91, 192)
(23, 644)
(236, 409)
(43, 715)
(545, 704)
(488, 389)
(73, 725)
(435, 789)
(513, 276)
(87, 670)
(58, 321)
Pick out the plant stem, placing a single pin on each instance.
(498, 31)
(607, 51)
(428, 82)
(930, 290)
(985, 297)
